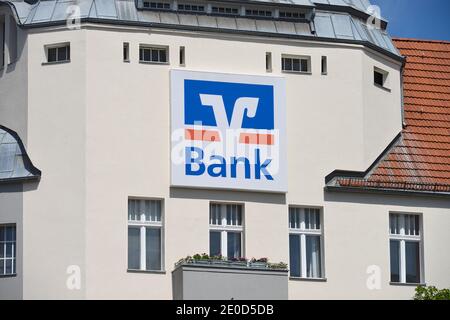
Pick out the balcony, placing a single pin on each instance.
(219, 279)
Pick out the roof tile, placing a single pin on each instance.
(420, 161)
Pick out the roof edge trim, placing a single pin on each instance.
(362, 174)
(364, 43)
(36, 173)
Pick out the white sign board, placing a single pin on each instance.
(228, 131)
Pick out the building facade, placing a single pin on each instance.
(90, 207)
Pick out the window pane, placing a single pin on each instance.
(313, 258)
(2, 233)
(153, 248)
(417, 224)
(296, 64)
(155, 56)
(9, 250)
(304, 65)
(10, 233)
(146, 54)
(214, 243)
(162, 56)
(378, 78)
(2, 250)
(51, 55)
(412, 262)
(62, 54)
(234, 244)
(2, 266)
(214, 215)
(294, 255)
(8, 265)
(395, 260)
(288, 64)
(134, 248)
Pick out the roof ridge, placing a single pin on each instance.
(420, 40)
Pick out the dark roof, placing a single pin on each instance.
(419, 158)
(15, 165)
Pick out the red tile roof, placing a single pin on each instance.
(419, 160)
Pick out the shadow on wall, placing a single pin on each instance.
(227, 195)
(406, 200)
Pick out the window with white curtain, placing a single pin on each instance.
(405, 247)
(226, 230)
(145, 235)
(7, 250)
(305, 243)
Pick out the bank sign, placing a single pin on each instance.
(228, 131)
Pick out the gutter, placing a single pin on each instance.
(366, 190)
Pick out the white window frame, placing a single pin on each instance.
(224, 228)
(386, 78)
(143, 224)
(403, 238)
(58, 46)
(296, 57)
(13, 259)
(154, 47)
(303, 232)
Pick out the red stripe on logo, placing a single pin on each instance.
(255, 138)
(202, 135)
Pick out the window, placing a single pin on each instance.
(291, 15)
(153, 54)
(126, 52)
(145, 235)
(182, 56)
(191, 8)
(305, 243)
(7, 250)
(324, 65)
(2, 42)
(268, 61)
(296, 64)
(258, 13)
(405, 248)
(156, 5)
(225, 10)
(60, 53)
(380, 77)
(226, 230)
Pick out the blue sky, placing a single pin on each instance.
(420, 19)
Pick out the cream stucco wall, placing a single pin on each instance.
(98, 128)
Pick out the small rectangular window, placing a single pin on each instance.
(191, 8)
(60, 53)
(226, 230)
(156, 5)
(145, 239)
(268, 61)
(258, 13)
(7, 250)
(126, 52)
(182, 56)
(225, 10)
(299, 64)
(153, 54)
(380, 77)
(291, 15)
(405, 248)
(324, 65)
(305, 243)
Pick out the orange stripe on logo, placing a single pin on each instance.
(256, 138)
(202, 135)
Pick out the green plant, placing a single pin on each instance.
(279, 265)
(431, 293)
